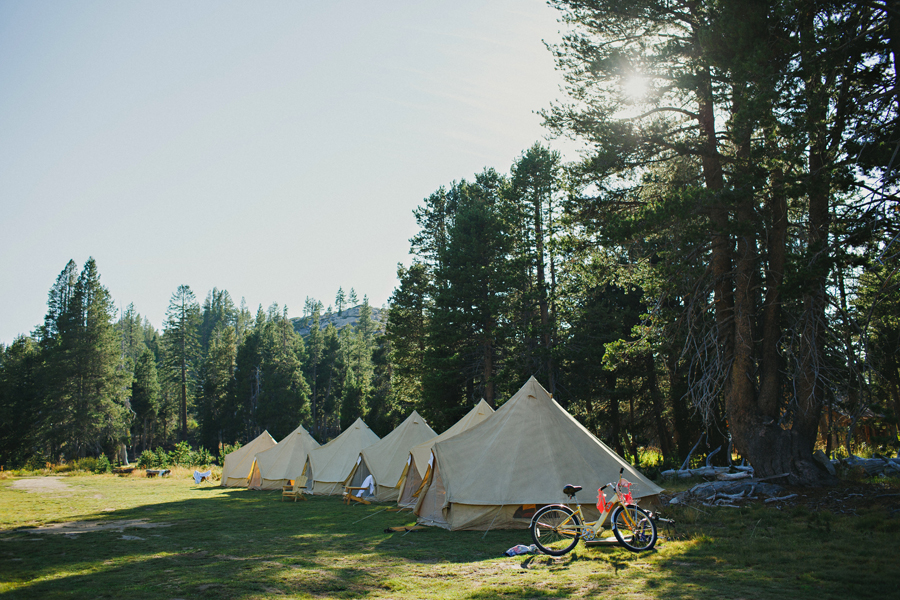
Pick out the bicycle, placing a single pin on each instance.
(556, 528)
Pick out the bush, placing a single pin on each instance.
(203, 457)
(88, 463)
(35, 463)
(229, 448)
(65, 467)
(182, 456)
(162, 459)
(153, 460)
(145, 460)
(103, 465)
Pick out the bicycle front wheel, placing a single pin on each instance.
(634, 528)
(555, 530)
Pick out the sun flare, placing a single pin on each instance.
(635, 87)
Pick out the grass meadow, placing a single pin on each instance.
(140, 538)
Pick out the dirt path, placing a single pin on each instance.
(36, 485)
(86, 526)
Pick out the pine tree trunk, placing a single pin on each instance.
(487, 373)
(615, 429)
(776, 249)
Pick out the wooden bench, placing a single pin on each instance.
(123, 471)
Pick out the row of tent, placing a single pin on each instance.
(490, 470)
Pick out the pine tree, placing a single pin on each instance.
(182, 339)
(466, 331)
(270, 391)
(20, 401)
(131, 331)
(535, 181)
(365, 329)
(315, 341)
(339, 301)
(406, 332)
(332, 375)
(768, 105)
(284, 393)
(87, 383)
(145, 392)
(218, 308)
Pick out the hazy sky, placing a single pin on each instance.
(272, 149)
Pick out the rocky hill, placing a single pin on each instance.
(349, 316)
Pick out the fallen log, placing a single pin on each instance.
(780, 498)
(733, 476)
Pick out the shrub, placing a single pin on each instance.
(35, 463)
(103, 465)
(88, 463)
(229, 448)
(203, 457)
(163, 459)
(146, 459)
(65, 467)
(181, 455)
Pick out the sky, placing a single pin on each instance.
(275, 150)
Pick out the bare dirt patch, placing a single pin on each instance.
(37, 485)
(88, 526)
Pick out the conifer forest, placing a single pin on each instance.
(718, 269)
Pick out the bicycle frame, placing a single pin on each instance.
(556, 528)
(590, 530)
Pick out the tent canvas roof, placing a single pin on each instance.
(523, 455)
(284, 461)
(387, 458)
(421, 453)
(238, 464)
(331, 462)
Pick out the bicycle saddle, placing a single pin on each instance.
(571, 490)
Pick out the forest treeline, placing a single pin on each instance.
(91, 379)
(720, 265)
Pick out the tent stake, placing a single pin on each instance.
(372, 515)
(492, 522)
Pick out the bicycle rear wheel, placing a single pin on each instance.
(637, 531)
(555, 530)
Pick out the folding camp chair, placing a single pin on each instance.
(357, 494)
(350, 496)
(294, 491)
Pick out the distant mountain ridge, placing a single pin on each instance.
(348, 316)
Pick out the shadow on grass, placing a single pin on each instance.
(240, 544)
(234, 543)
(763, 552)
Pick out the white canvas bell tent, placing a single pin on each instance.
(279, 465)
(239, 464)
(327, 466)
(420, 455)
(386, 460)
(494, 475)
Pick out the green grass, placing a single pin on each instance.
(242, 544)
